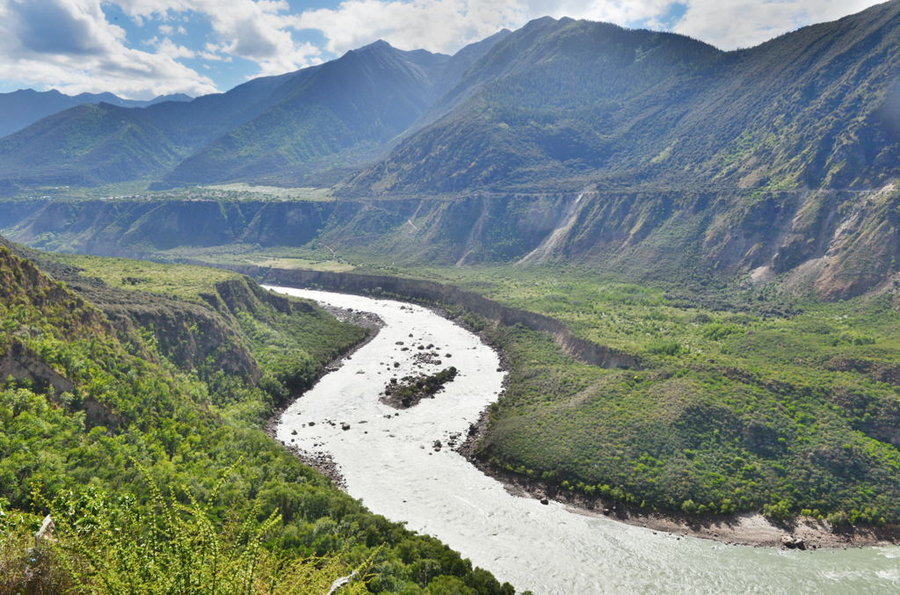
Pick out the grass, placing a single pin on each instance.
(180, 281)
(140, 189)
(275, 192)
(279, 257)
(303, 263)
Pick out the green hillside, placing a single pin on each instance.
(367, 96)
(565, 103)
(749, 401)
(136, 424)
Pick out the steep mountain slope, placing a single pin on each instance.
(586, 101)
(271, 129)
(640, 153)
(24, 107)
(87, 145)
(90, 145)
(836, 244)
(365, 97)
(817, 107)
(339, 115)
(552, 100)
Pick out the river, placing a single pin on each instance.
(389, 461)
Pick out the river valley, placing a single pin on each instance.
(401, 464)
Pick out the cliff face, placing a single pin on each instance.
(835, 243)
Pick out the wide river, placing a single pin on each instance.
(388, 460)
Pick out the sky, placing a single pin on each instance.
(139, 49)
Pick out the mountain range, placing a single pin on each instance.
(642, 153)
(22, 108)
(560, 102)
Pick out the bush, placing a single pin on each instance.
(670, 348)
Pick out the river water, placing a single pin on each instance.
(389, 461)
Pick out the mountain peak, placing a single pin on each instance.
(379, 44)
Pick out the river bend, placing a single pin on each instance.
(389, 461)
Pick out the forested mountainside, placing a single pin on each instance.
(132, 413)
(24, 107)
(637, 152)
(276, 129)
(572, 102)
(558, 103)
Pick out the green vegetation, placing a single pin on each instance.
(140, 189)
(739, 408)
(100, 542)
(154, 468)
(566, 104)
(183, 282)
(557, 104)
(751, 400)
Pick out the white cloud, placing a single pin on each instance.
(167, 47)
(730, 24)
(447, 25)
(438, 25)
(169, 30)
(254, 30)
(69, 45)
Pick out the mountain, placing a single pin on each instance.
(575, 102)
(561, 104)
(336, 116)
(645, 154)
(272, 129)
(19, 109)
(97, 144)
(362, 99)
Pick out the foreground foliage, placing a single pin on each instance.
(129, 419)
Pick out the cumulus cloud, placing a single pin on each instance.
(447, 25)
(167, 47)
(730, 24)
(254, 30)
(438, 25)
(69, 45)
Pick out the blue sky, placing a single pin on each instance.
(143, 48)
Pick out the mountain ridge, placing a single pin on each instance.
(775, 163)
(24, 107)
(556, 100)
(718, 124)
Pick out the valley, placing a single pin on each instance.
(576, 308)
(137, 408)
(402, 464)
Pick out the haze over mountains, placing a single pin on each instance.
(24, 107)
